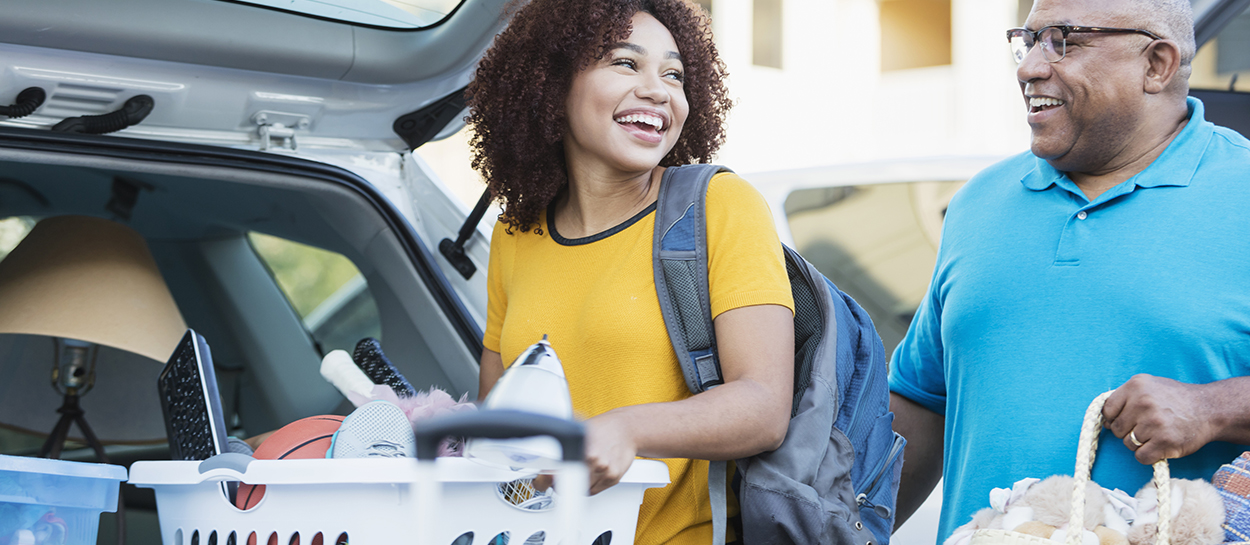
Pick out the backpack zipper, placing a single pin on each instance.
(859, 418)
(862, 499)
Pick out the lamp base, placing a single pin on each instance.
(72, 413)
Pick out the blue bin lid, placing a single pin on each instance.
(27, 464)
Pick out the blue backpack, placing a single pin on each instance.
(835, 477)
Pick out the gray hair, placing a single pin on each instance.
(1174, 20)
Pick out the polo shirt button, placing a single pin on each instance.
(1081, 215)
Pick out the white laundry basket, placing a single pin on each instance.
(389, 501)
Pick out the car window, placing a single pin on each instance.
(12, 231)
(397, 14)
(877, 242)
(1223, 63)
(326, 290)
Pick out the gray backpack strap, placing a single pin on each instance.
(717, 473)
(679, 259)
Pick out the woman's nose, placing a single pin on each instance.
(652, 88)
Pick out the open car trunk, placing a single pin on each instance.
(198, 208)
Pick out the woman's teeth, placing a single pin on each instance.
(652, 120)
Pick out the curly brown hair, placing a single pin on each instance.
(517, 97)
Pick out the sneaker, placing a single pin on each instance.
(376, 429)
(370, 359)
(234, 444)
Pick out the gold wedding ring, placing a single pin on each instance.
(1133, 437)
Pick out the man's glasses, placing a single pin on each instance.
(1054, 39)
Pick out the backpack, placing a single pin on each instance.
(835, 477)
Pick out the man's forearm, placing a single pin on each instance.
(1230, 409)
(922, 458)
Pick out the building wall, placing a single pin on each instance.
(831, 102)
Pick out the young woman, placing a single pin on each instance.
(576, 110)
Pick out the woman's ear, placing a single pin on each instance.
(1163, 58)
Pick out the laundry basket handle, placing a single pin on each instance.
(1086, 450)
(501, 424)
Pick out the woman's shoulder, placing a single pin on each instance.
(505, 231)
(728, 189)
(500, 235)
(729, 181)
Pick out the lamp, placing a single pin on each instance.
(93, 287)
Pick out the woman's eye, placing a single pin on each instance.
(676, 76)
(627, 63)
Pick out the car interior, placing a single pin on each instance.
(196, 220)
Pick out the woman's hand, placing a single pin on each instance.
(610, 450)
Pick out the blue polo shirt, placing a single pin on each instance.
(1041, 300)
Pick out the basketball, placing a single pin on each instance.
(299, 440)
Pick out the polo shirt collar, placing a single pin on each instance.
(1174, 167)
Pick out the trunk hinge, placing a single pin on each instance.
(274, 127)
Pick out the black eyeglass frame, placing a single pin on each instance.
(1069, 29)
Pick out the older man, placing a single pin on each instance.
(1115, 254)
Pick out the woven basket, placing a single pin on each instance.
(1233, 482)
(1086, 449)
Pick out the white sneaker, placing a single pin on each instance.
(376, 429)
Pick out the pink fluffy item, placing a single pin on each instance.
(424, 406)
(339, 370)
(1197, 514)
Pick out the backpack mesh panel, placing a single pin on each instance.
(679, 275)
(807, 328)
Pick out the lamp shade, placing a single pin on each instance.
(89, 279)
(92, 280)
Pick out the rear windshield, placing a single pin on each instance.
(397, 14)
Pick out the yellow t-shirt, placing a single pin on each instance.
(595, 300)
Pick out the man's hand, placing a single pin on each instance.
(1161, 418)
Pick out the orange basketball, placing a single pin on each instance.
(302, 439)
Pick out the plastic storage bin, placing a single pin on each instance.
(385, 501)
(54, 501)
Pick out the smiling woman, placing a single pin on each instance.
(519, 121)
(576, 112)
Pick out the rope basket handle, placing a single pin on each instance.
(1086, 450)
